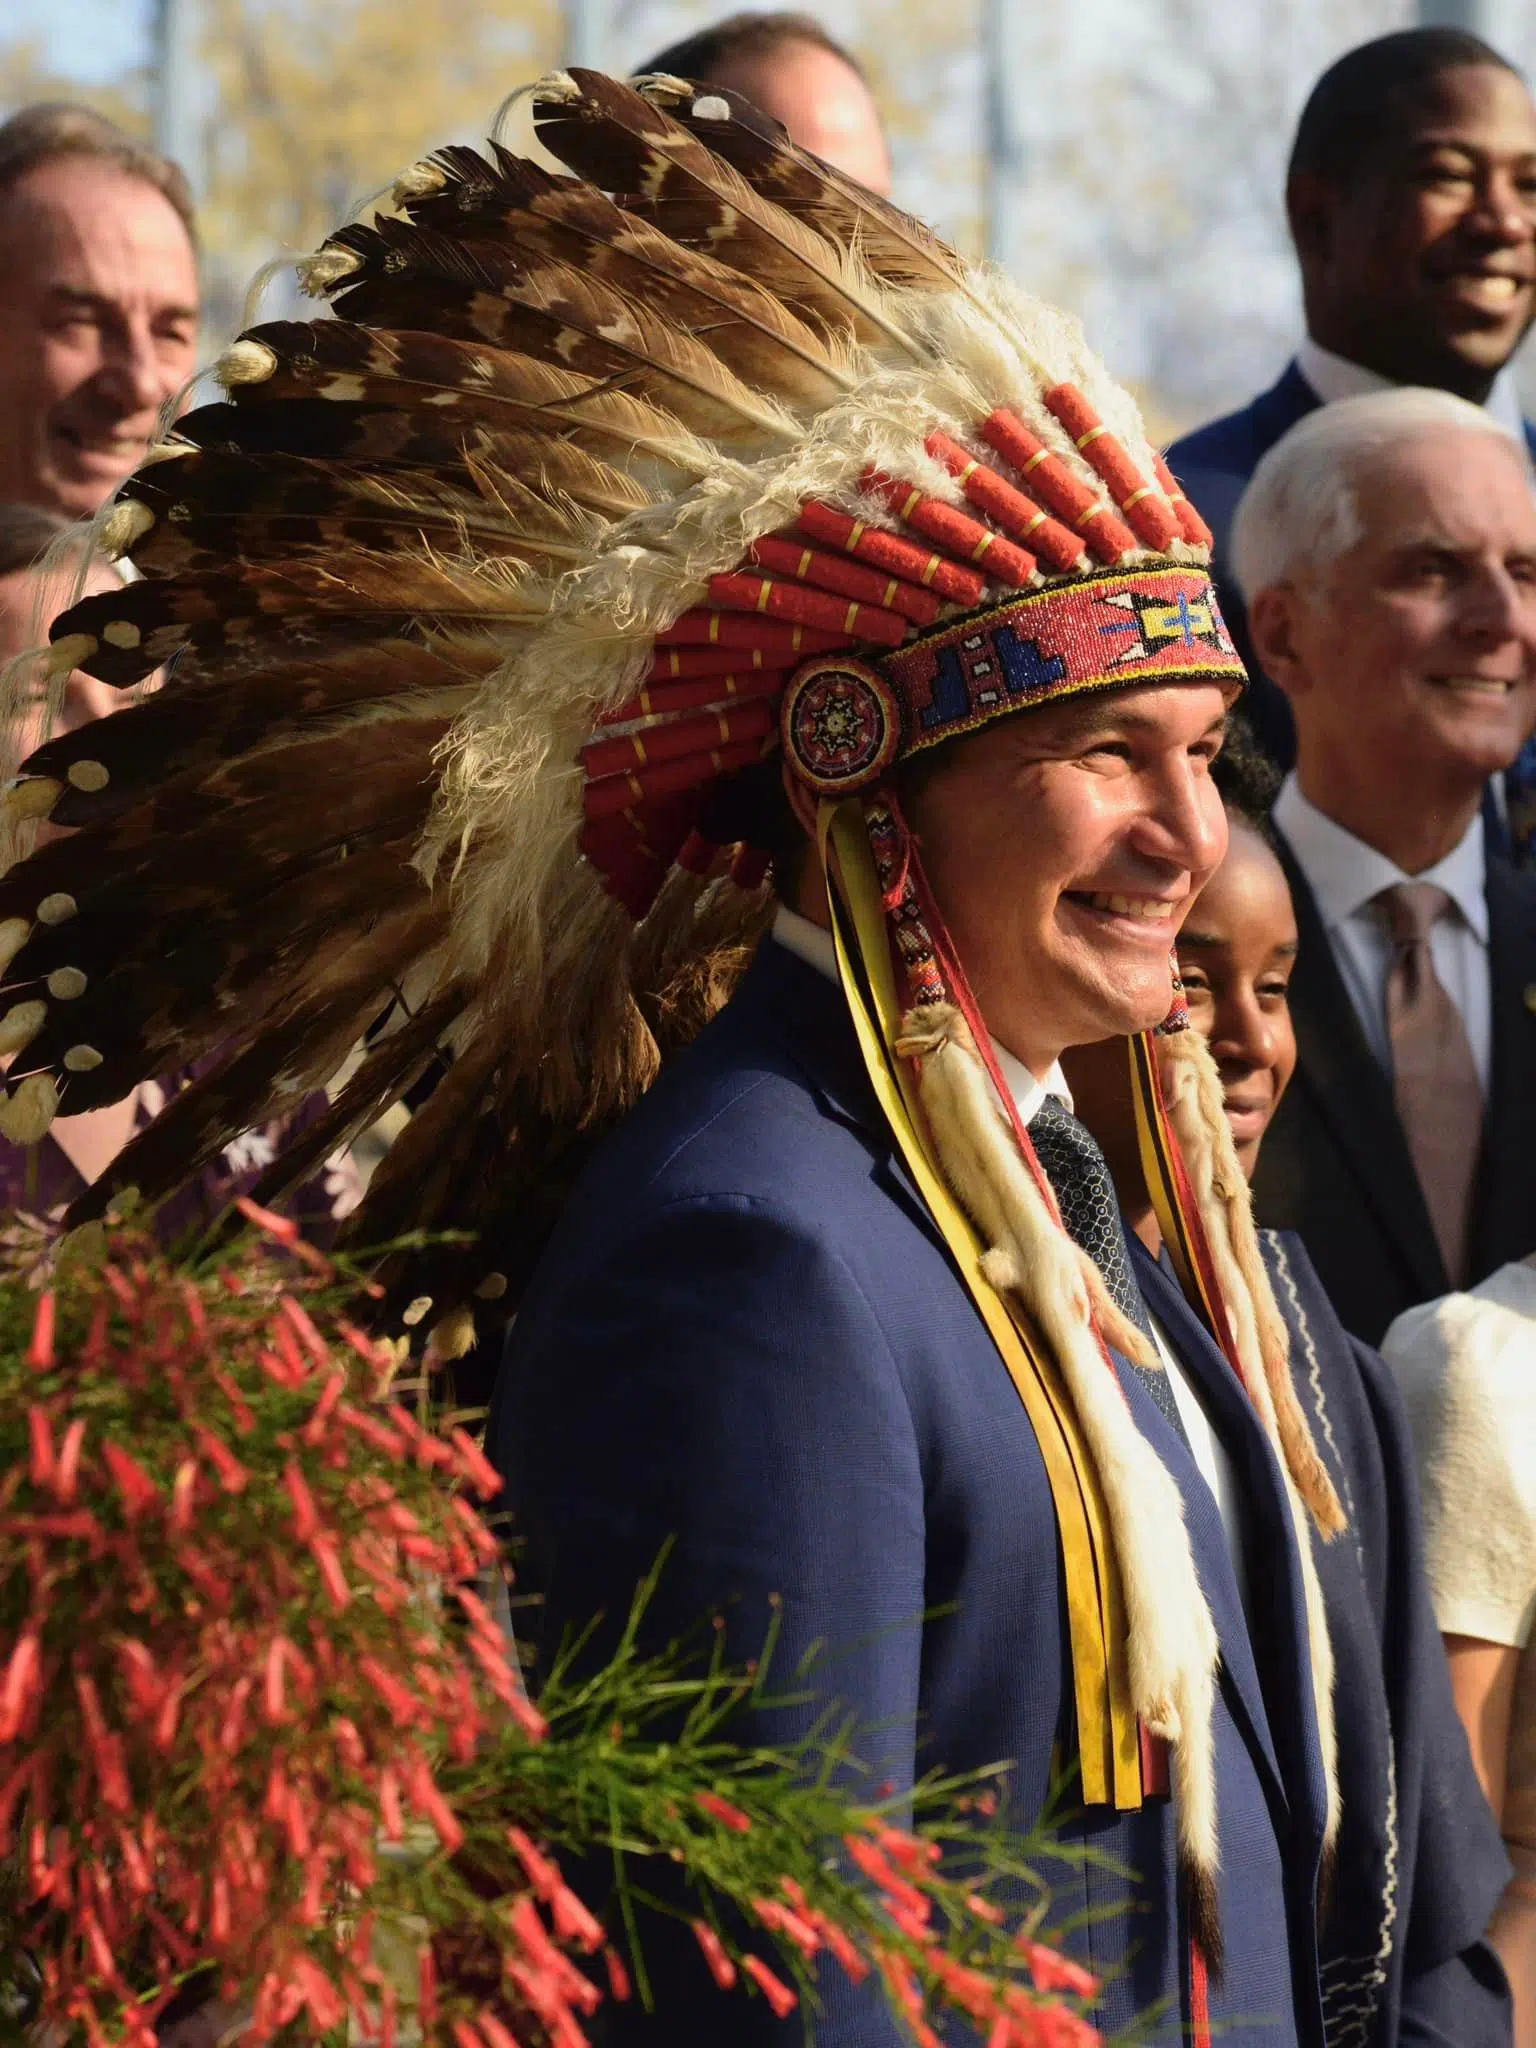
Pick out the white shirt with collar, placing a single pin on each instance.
(1344, 874)
(1333, 377)
(810, 943)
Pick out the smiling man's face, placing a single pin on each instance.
(1065, 847)
(98, 327)
(1410, 662)
(1424, 267)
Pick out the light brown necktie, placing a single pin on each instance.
(1434, 1077)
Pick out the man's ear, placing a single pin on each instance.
(1310, 205)
(1274, 616)
(802, 801)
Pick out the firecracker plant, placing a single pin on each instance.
(263, 1740)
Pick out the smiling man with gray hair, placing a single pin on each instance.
(1386, 548)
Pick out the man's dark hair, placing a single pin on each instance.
(703, 55)
(44, 133)
(1350, 110)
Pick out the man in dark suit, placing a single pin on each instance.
(1411, 197)
(1388, 551)
(755, 1333)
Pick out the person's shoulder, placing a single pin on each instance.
(1231, 447)
(1225, 444)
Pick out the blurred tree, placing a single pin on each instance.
(26, 76)
(318, 105)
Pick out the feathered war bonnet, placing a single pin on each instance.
(473, 602)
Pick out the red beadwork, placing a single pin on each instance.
(892, 551)
(1107, 535)
(966, 539)
(1150, 516)
(840, 725)
(1056, 545)
(703, 628)
(675, 739)
(835, 572)
(621, 792)
(1191, 526)
(736, 592)
(692, 693)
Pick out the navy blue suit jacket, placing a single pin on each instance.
(1214, 464)
(747, 1335)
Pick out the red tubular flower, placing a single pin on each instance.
(722, 1969)
(233, 1476)
(390, 1812)
(44, 1467)
(542, 1872)
(274, 1700)
(722, 1810)
(40, 1353)
(618, 1976)
(283, 1228)
(494, 2031)
(475, 1466)
(67, 1477)
(105, 1748)
(21, 1683)
(303, 1327)
(777, 1993)
(433, 1807)
(315, 1429)
(140, 1493)
(780, 1920)
(895, 1887)
(306, 1519)
(426, 1988)
(323, 1550)
(572, 1920)
(183, 1497)
(1052, 1971)
(404, 1705)
(466, 2034)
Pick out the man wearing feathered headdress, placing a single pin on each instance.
(606, 557)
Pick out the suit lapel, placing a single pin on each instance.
(1337, 1066)
(1509, 1134)
(1265, 1650)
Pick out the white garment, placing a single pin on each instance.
(1344, 874)
(810, 943)
(1334, 377)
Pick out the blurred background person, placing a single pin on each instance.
(1387, 547)
(99, 314)
(1467, 1369)
(790, 67)
(1411, 200)
(1418, 1872)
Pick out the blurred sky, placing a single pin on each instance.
(83, 38)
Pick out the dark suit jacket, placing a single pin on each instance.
(747, 1335)
(1418, 1862)
(1214, 464)
(1335, 1165)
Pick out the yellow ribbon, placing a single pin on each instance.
(1108, 1733)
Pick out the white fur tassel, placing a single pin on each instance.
(1192, 1091)
(1172, 1640)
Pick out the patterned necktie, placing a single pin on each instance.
(1073, 1164)
(1434, 1076)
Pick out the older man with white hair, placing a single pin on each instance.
(1386, 548)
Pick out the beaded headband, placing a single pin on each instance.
(857, 641)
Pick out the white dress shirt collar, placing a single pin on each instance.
(1345, 873)
(1334, 377)
(810, 943)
